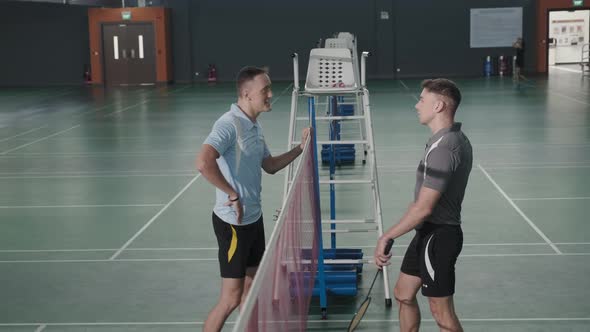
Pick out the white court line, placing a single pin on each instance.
(540, 319)
(115, 102)
(216, 248)
(112, 154)
(144, 102)
(539, 167)
(309, 321)
(281, 94)
(548, 163)
(568, 97)
(541, 234)
(21, 134)
(95, 176)
(141, 138)
(39, 140)
(106, 153)
(410, 94)
(76, 173)
(170, 249)
(98, 250)
(525, 255)
(565, 69)
(75, 206)
(53, 250)
(490, 146)
(404, 84)
(120, 260)
(527, 165)
(367, 259)
(41, 328)
(549, 198)
(465, 245)
(127, 108)
(154, 218)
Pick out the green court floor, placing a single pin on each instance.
(105, 223)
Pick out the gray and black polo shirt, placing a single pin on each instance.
(445, 168)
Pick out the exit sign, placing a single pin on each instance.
(578, 2)
(126, 16)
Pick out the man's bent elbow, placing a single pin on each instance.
(202, 165)
(422, 211)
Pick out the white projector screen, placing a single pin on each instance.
(495, 27)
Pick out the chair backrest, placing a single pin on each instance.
(330, 70)
(346, 41)
(339, 43)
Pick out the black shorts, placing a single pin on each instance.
(432, 255)
(240, 247)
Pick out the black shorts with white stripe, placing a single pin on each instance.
(432, 255)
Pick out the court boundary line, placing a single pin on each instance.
(131, 138)
(281, 94)
(409, 92)
(41, 328)
(522, 214)
(122, 172)
(109, 153)
(567, 97)
(216, 248)
(538, 167)
(566, 69)
(216, 259)
(142, 229)
(187, 174)
(147, 100)
(38, 140)
(549, 198)
(76, 206)
(312, 321)
(21, 134)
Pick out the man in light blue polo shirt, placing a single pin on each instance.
(231, 159)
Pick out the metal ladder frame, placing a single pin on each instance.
(361, 94)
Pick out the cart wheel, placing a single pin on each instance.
(324, 314)
(388, 303)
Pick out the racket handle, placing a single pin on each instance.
(388, 246)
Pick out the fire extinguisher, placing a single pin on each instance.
(212, 75)
(503, 65)
(87, 76)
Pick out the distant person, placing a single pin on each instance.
(519, 62)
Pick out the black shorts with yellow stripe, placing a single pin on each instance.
(240, 247)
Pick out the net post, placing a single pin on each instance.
(318, 214)
(333, 107)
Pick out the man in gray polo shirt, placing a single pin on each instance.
(231, 159)
(435, 214)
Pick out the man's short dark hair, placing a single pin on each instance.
(247, 74)
(446, 88)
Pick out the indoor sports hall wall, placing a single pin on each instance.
(42, 43)
(49, 42)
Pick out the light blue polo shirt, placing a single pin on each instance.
(241, 146)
